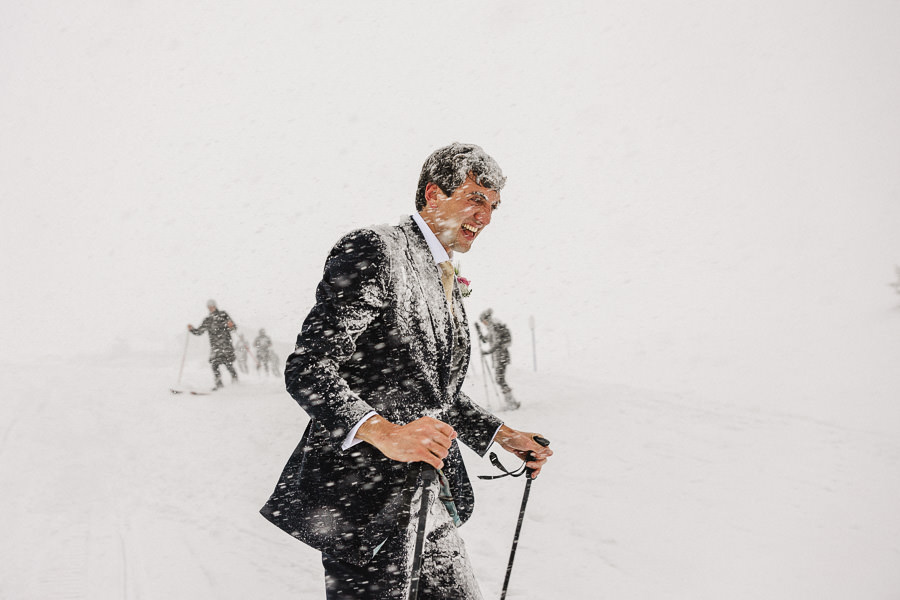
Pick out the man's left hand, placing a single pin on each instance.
(522, 444)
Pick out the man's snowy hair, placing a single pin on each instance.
(450, 166)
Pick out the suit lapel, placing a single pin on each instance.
(426, 271)
(464, 328)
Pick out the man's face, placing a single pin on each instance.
(461, 216)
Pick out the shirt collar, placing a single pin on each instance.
(437, 250)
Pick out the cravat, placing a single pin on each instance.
(447, 276)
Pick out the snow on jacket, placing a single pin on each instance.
(216, 324)
(378, 338)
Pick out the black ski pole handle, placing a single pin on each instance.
(543, 442)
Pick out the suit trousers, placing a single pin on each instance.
(446, 570)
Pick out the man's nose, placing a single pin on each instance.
(483, 215)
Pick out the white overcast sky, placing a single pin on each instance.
(697, 191)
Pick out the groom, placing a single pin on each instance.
(378, 366)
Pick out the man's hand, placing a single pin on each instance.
(190, 327)
(424, 440)
(522, 444)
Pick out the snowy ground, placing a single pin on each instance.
(114, 488)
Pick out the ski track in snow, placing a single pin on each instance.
(115, 488)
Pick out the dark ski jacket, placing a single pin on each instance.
(263, 345)
(378, 338)
(498, 337)
(216, 324)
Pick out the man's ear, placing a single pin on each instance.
(433, 194)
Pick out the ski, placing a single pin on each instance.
(191, 392)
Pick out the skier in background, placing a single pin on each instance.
(219, 326)
(241, 350)
(498, 339)
(264, 354)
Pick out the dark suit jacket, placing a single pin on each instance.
(378, 338)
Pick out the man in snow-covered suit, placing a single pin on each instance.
(378, 365)
(496, 335)
(219, 326)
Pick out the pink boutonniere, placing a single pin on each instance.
(464, 284)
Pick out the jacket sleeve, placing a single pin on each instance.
(203, 327)
(475, 425)
(350, 296)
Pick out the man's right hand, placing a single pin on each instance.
(190, 327)
(424, 440)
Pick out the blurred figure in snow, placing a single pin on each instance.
(498, 338)
(265, 358)
(241, 350)
(219, 326)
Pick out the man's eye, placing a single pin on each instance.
(495, 206)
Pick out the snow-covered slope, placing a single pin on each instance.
(113, 488)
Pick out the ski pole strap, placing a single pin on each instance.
(506, 472)
(445, 496)
(521, 470)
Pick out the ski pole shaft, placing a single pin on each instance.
(187, 338)
(512, 554)
(250, 352)
(484, 378)
(429, 475)
(488, 367)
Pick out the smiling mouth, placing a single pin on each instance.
(471, 229)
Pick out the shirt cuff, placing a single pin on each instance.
(351, 439)
(492, 437)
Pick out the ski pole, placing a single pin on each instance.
(484, 368)
(512, 555)
(187, 338)
(485, 375)
(429, 475)
(493, 368)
